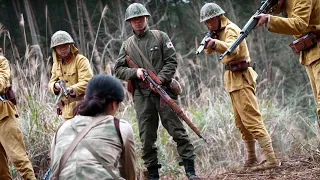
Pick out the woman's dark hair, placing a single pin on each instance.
(101, 90)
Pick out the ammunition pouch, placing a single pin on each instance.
(305, 42)
(175, 87)
(237, 66)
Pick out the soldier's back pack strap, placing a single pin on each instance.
(305, 42)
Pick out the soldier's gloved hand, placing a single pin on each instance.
(210, 43)
(140, 73)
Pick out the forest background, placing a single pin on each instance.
(98, 28)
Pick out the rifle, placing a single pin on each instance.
(63, 88)
(47, 175)
(153, 79)
(266, 7)
(63, 91)
(203, 42)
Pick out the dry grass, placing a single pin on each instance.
(204, 101)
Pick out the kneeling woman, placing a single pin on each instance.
(95, 144)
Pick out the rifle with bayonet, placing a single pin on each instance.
(266, 7)
(203, 42)
(153, 79)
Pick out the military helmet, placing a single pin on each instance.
(136, 10)
(59, 38)
(209, 11)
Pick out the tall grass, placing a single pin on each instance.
(291, 130)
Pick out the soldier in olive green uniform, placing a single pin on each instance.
(11, 141)
(71, 67)
(162, 61)
(241, 85)
(303, 17)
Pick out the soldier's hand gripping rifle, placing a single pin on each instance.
(153, 79)
(63, 91)
(203, 42)
(64, 88)
(266, 7)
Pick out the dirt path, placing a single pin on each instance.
(293, 169)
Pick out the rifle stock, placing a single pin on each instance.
(266, 7)
(152, 78)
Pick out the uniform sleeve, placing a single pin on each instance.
(54, 78)
(84, 75)
(122, 71)
(170, 60)
(221, 46)
(4, 73)
(128, 169)
(297, 23)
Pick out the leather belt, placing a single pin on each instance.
(242, 64)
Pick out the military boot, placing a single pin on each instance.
(267, 150)
(189, 168)
(153, 172)
(251, 159)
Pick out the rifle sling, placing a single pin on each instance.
(144, 58)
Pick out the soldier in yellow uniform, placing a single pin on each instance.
(71, 67)
(11, 141)
(302, 17)
(241, 85)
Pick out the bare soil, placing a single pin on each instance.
(293, 168)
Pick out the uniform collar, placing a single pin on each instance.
(74, 52)
(224, 21)
(142, 34)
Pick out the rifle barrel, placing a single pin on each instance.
(247, 28)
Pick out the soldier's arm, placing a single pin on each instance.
(122, 71)
(84, 75)
(128, 157)
(221, 46)
(298, 22)
(170, 59)
(4, 73)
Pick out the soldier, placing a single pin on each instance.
(71, 67)
(108, 144)
(12, 146)
(240, 82)
(302, 17)
(160, 57)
